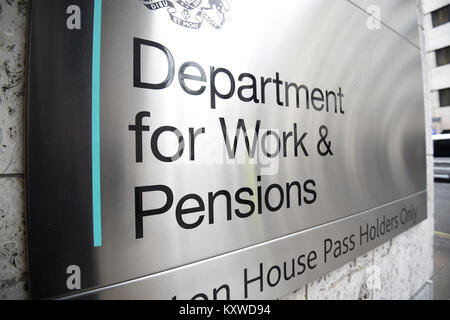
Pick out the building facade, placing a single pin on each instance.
(437, 46)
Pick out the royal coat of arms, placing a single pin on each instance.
(193, 13)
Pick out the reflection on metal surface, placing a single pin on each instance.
(335, 125)
(270, 269)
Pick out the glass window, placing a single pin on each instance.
(442, 148)
(444, 97)
(443, 56)
(441, 16)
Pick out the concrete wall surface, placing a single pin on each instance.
(13, 35)
(396, 270)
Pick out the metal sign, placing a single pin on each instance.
(215, 149)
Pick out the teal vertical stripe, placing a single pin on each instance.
(96, 177)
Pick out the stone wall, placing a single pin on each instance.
(13, 39)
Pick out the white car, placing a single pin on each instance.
(441, 144)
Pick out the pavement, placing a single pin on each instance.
(441, 276)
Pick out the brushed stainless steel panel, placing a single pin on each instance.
(378, 142)
(397, 14)
(230, 276)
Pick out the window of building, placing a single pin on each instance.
(441, 16)
(444, 97)
(443, 56)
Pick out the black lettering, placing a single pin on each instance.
(337, 249)
(373, 233)
(200, 296)
(139, 128)
(309, 190)
(141, 213)
(264, 144)
(264, 83)
(319, 98)
(362, 234)
(249, 281)
(267, 197)
(312, 256)
(292, 273)
(299, 142)
(252, 87)
(328, 245)
(217, 290)
(240, 126)
(212, 197)
(341, 96)
(286, 136)
(247, 202)
(277, 276)
(155, 148)
(288, 193)
(182, 76)
(352, 241)
(278, 83)
(214, 92)
(301, 264)
(328, 94)
(138, 43)
(193, 136)
(180, 211)
(345, 244)
(297, 91)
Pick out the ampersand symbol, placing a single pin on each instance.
(323, 131)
